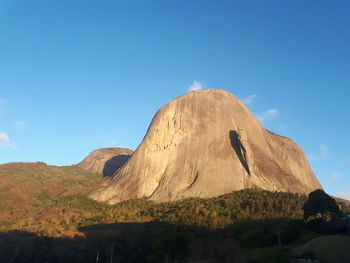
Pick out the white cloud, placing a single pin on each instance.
(5, 140)
(249, 99)
(321, 155)
(343, 195)
(196, 85)
(269, 114)
(333, 176)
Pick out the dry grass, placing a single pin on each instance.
(28, 189)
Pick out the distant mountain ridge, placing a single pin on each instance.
(27, 189)
(204, 144)
(341, 200)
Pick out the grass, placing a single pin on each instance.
(28, 188)
(331, 248)
(2, 206)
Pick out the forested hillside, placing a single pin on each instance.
(46, 216)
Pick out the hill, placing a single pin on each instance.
(105, 161)
(46, 216)
(228, 228)
(341, 200)
(27, 190)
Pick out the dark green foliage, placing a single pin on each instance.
(172, 244)
(235, 207)
(295, 232)
(79, 202)
(269, 255)
(321, 205)
(309, 255)
(254, 238)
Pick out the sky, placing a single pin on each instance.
(77, 75)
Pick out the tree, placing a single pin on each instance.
(321, 205)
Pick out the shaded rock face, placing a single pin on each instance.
(207, 143)
(105, 161)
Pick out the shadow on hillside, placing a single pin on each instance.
(114, 164)
(139, 242)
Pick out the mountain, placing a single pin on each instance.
(204, 144)
(105, 161)
(341, 200)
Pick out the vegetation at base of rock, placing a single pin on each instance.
(49, 218)
(65, 214)
(241, 207)
(229, 227)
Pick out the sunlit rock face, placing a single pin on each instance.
(207, 143)
(105, 161)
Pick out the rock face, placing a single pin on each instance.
(207, 143)
(105, 161)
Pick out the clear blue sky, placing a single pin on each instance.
(80, 75)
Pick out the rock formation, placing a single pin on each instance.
(105, 161)
(207, 143)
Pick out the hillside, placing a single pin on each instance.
(341, 200)
(45, 209)
(28, 189)
(144, 231)
(105, 161)
(228, 228)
